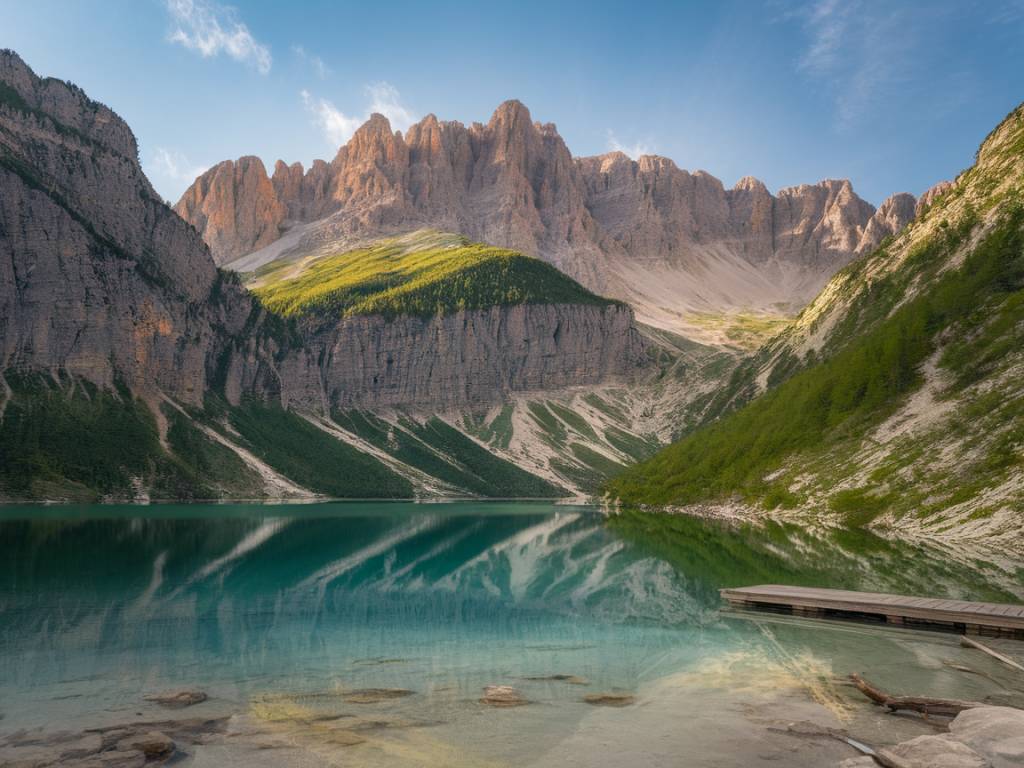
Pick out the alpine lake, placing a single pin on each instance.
(461, 634)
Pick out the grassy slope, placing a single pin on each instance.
(817, 421)
(424, 274)
(311, 457)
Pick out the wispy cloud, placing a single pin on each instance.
(175, 166)
(318, 65)
(212, 29)
(633, 150)
(338, 126)
(828, 24)
(1006, 12)
(860, 50)
(384, 99)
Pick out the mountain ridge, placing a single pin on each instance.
(668, 241)
(894, 399)
(132, 367)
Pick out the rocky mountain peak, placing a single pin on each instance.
(931, 193)
(235, 206)
(892, 215)
(898, 209)
(373, 141)
(512, 113)
(750, 184)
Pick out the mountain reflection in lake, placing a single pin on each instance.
(366, 633)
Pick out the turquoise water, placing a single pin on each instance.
(279, 613)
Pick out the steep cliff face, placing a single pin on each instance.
(462, 359)
(98, 278)
(891, 217)
(669, 241)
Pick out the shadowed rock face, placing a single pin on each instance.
(609, 221)
(99, 278)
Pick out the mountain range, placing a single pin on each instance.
(676, 245)
(474, 312)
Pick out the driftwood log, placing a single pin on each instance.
(967, 642)
(887, 759)
(923, 704)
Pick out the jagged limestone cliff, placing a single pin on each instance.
(679, 246)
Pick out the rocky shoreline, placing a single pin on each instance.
(983, 737)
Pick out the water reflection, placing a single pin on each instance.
(271, 608)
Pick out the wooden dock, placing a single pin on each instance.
(997, 619)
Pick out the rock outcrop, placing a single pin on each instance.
(982, 737)
(931, 194)
(236, 207)
(665, 239)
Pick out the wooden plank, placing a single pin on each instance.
(938, 610)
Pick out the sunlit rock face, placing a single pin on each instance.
(644, 230)
(236, 207)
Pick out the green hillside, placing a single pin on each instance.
(424, 274)
(910, 403)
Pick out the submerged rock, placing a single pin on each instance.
(178, 699)
(502, 696)
(118, 758)
(609, 699)
(375, 695)
(122, 745)
(571, 679)
(153, 744)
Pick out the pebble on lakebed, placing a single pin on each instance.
(375, 695)
(570, 679)
(609, 699)
(502, 696)
(177, 699)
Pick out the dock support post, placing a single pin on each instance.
(894, 619)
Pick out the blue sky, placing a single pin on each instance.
(893, 95)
